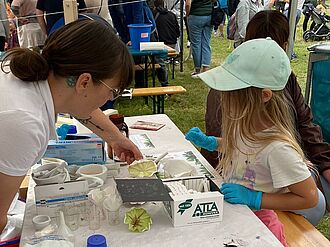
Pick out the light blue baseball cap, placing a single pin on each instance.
(260, 63)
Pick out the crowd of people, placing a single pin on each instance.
(260, 134)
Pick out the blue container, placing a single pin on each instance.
(320, 101)
(139, 33)
(96, 240)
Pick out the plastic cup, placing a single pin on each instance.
(94, 218)
(111, 207)
(113, 217)
(71, 217)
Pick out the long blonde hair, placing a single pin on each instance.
(243, 112)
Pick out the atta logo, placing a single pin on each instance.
(205, 209)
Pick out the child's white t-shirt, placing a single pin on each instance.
(268, 169)
(27, 122)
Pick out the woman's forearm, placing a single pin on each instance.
(101, 125)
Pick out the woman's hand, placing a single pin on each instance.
(125, 149)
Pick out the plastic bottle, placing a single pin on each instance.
(96, 240)
(118, 120)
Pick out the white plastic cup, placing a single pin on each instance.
(111, 207)
(94, 218)
(41, 221)
(71, 217)
(113, 217)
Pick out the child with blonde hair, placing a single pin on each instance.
(262, 163)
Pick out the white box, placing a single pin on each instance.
(78, 151)
(152, 46)
(201, 208)
(51, 198)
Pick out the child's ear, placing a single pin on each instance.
(266, 94)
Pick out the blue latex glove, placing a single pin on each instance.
(238, 194)
(62, 131)
(197, 137)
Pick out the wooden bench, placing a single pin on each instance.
(24, 187)
(157, 94)
(299, 232)
(142, 66)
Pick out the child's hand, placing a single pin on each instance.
(197, 137)
(238, 194)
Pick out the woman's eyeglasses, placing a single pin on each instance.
(116, 92)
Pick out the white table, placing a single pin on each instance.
(239, 222)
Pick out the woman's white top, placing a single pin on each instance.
(27, 122)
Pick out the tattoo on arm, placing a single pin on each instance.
(84, 120)
(88, 121)
(97, 126)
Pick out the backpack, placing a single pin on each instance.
(232, 27)
(217, 15)
(232, 6)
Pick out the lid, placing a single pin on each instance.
(72, 129)
(96, 240)
(117, 118)
(324, 48)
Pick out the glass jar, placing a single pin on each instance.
(118, 120)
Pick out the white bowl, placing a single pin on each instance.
(40, 221)
(93, 170)
(58, 178)
(93, 182)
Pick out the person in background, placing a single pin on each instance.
(275, 25)
(4, 25)
(137, 13)
(82, 65)
(245, 10)
(200, 30)
(116, 12)
(167, 25)
(99, 7)
(28, 30)
(49, 7)
(223, 4)
(298, 15)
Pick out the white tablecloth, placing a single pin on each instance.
(239, 223)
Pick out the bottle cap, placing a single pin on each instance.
(96, 240)
(117, 118)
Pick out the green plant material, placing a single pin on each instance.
(138, 220)
(142, 168)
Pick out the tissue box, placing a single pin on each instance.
(52, 197)
(78, 149)
(201, 208)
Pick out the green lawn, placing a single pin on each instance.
(188, 110)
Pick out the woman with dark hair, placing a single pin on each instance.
(82, 65)
(274, 24)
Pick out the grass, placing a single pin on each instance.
(187, 110)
